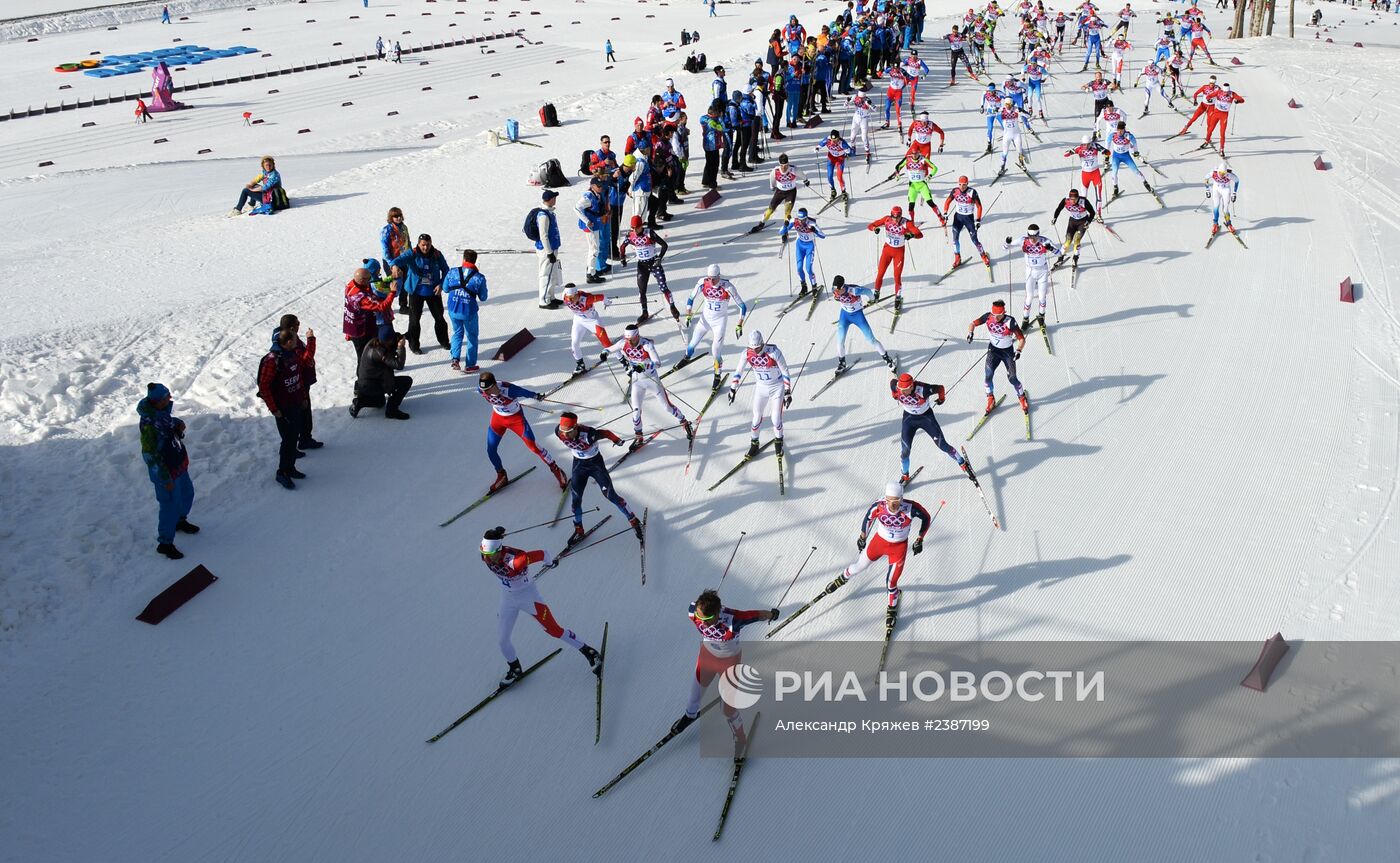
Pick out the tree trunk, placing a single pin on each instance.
(1291, 3)
(1237, 32)
(1273, 7)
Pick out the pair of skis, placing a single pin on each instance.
(740, 758)
(682, 363)
(744, 461)
(844, 198)
(490, 494)
(1233, 233)
(501, 688)
(981, 422)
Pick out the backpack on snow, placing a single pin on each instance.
(551, 174)
(532, 228)
(585, 164)
(548, 115)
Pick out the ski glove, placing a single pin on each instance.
(969, 337)
(1008, 241)
(772, 614)
(1018, 355)
(940, 148)
(1137, 155)
(732, 393)
(553, 259)
(739, 330)
(787, 399)
(918, 545)
(860, 543)
(603, 357)
(807, 183)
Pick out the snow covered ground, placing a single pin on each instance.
(1215, 457)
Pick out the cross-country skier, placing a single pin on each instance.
(836, 151)
(1011, 120)
(1089, 152)
(892, 520)
(1152, 74)
(650, 251)
(921, 133)
(852, 299)
(807, 234)
(1107, 119)
(1125, 18)
(719, 628)
(640, 358)
(1122, 147)
(1218, 114)
(957, 50)
(861, 108)
(894, 97)
(1202, 98)
(772, 391)
(1198, 34)
(717, 293)
(1221, 187)
(1036, 72)
(966, 207)
(507, 415)
(896, 228)
(991, 110)
(1118, 54)
(1035, 247)
(1080, 214)
(583, 441)
(783, 181)
(1004, 348)
(519, 594)
(918, 171)
(913, 69)
(582, 305)
(1093, 40)
(1099, 89)
(917, 399)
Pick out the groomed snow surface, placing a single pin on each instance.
(1215, 457)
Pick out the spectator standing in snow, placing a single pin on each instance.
(712, 9)
(252, 194)
(362, 306)
(165, 14)
(608, 51)
(379, 47)
(375, 381)
(306, 353)
(393, 241)
(167, 462)
(466, 289)
(281, 388)
(547, 249)
(398, 52)
(142, 114)
(424, 268)
(713, 142)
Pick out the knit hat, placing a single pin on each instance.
(157, 392)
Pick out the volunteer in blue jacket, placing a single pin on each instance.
(466, 288)
(167, 462)
(424, 268)
(593, 218)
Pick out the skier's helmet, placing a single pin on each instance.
(905, 382)
(712, 271)
(896, 211)
(755, 338)
(1084, 139)
(801, 212)
(894, 491)
(636, 222)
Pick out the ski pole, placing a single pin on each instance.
(547, 523)
(572, 405)
(803, 367)
(931, 356)
(742, 534)
(795, 577)
(1051, 279)
(620, 388)
(820, 268)
(964, 374)
(615, 419)
(502, 251)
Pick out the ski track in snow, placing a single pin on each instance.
(1215, 457)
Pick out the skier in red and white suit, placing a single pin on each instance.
(719, 628)
(892, 518)
(1218, 114)
(581, 304)
(519, 594)
(896, 228)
